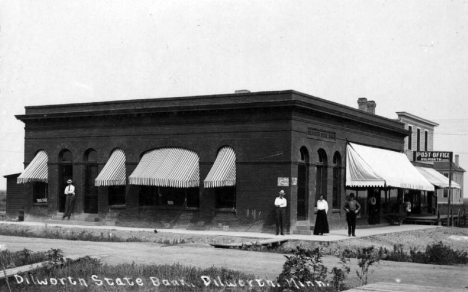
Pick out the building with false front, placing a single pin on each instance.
(214, 161)
(422, 139)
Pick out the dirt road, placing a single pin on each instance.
(263, 265)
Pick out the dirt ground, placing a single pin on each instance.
(196, 252)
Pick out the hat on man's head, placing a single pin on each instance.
(69, 181)
(351, 195)
(281, 192)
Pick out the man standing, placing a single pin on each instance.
(351, 207)
(70, 199)
(280, 204)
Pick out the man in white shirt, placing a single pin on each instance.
(280, 204)
(70, 199)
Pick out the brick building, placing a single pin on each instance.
(201, 162)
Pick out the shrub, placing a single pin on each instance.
(303, 267)
(339, 275)
(367, 257)
(440, 254)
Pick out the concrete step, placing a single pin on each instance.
(305, 227)
(303, 232)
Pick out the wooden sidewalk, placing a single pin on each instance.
(393, 287)
(27, 268)
(266, 242)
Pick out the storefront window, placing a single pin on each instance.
(321, 179)
(40, 192)
(336, 181)
(225, 197)
(165, 196)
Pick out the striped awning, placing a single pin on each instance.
(113, 173)
(223, 172)
(37, 170)
(167, 167)
(436, 178)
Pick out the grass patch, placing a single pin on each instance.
(83, 235)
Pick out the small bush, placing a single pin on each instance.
(305, 266)
(440, 254)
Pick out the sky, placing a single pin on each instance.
(406, 55)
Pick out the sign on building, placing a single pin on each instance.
(432, 156)
(283, 181)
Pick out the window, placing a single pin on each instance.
(446, 193)
(116, 195)
(446, 174)
(418, 140)
(225, 197)
(166, 196)
(336, 181)
(410, 138)
(40, 192)
(425, 140)
(321, 180)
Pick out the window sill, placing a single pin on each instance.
(172, 208)
(225, 210)
(40, 204)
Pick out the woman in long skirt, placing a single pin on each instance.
(321, 222)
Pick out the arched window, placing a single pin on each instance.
(322, 175)
(303, 184)
(65, 173)
(90, 190)
(336, 180)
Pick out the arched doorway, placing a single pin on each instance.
(65, 173)
(90, 191)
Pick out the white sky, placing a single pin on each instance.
(406, 55)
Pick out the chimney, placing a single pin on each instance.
(371, 105)
(242, 91)
(457, 159)
(362, 103)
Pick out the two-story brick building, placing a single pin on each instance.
(214, 161)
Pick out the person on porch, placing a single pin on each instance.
(70, 200)
(321, 222)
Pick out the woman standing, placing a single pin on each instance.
(321, 222)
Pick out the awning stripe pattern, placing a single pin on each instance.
(223, 172)
(167, 167)
(114, 172)
(36, 171)
(436, 178)
(373, 167)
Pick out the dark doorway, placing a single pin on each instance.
(303, 185)
(90, 191)
(66, 173)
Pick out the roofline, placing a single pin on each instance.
(405, 114)
(177, 104)
(10, 175)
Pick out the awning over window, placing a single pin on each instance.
(113, 173)
(223, 172)
(37, 170)
(436, 178)
(167, 167)
(373, 167)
